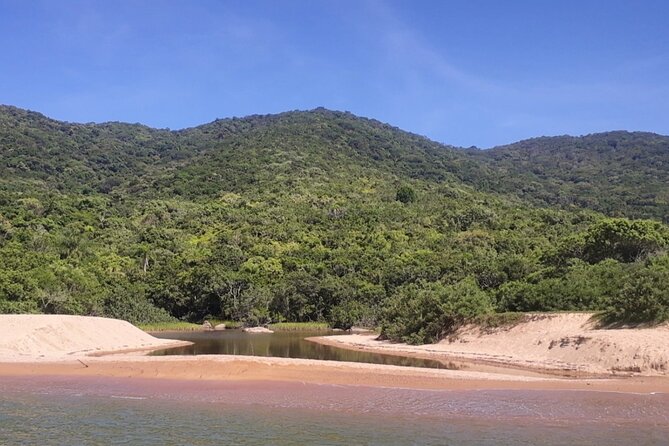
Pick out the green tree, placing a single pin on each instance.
(405, 194)
(645, 295)
(623, 240)
(350, 313)
(424, 312)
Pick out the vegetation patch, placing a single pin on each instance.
(229, 325)
(170, 326)
(300, 326)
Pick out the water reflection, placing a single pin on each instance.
(282, 345)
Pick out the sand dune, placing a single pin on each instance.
(566, 343)
(35, 337)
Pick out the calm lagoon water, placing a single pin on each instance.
(90, 411)
(287, 344)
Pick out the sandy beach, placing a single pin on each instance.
(98, 347)
(244, 369)
(566, 344)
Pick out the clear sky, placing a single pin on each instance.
(468, 72)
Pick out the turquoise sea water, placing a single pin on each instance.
(96, 411)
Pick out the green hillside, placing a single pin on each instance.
(617, 173)
(223, 155)
(300, 216)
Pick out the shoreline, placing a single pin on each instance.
(566, 345)
(256, 369)
(462, 362)
(77, 346)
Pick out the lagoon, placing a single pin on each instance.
(283, 344)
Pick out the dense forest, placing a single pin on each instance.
(617, 173)
(325, 216)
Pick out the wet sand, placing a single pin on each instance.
(236, 369)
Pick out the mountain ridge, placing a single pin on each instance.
(321, 109)
(619, 173)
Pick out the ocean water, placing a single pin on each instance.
(103, 411)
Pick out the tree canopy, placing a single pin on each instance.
(301, 216)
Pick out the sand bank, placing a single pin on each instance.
(89, 347)
(248, 369)
(37, 337)
(565, 344)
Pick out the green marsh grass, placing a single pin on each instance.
(228, 324)
(299, 326)
(170, 326)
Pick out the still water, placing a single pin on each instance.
(94, 411)
(286, 344)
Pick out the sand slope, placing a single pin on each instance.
(44, 336)
(567, 342)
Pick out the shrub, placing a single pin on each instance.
(406, 194)
(347, 314)
(622, 239)
(645, 295)
(130, 304)
(425, 312)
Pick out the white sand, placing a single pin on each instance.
(557, 342)
(31, 337)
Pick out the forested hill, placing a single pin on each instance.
(618, 173)
(300, 216)
(225, 155)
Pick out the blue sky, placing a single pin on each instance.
(466, 73)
